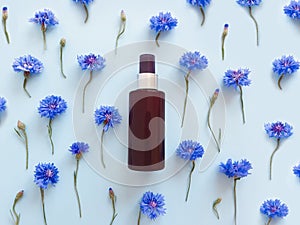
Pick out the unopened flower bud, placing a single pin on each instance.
(19, 195)
(123, 16)
(62, 42)
(111, 193)
(21, 125)
(4, 13)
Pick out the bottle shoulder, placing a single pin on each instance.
(147, 91)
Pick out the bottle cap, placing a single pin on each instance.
(147, 63)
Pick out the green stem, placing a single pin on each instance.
(215, 203)
(209, 127)
(271, 158)
(203, 15)
(121, 31)
(279, 81)
(44, 37)
(23, 135)
(256, 25)
(24, 86)
(15, 215)
(102, 151)
(269, 221)
(43, 205)
(234, 199)
(242, 103)
(186, 78)
(75, 187)
(61, 62)
(50, 135)
(190, 180)
(139, 218)
(156, 38)
(86, 13)
(5, 31)
(84, 90)
(114, 211)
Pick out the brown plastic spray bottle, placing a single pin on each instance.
(146, 131)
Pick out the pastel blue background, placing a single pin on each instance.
(264, 102)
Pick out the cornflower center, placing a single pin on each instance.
(153, 204)
(49, 173)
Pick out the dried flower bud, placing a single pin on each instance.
(62, 42)
(19, 195)
(78, 156)
(111, 193)
(225, 31)
(215, 96)
(21, 125)
(4, 13)
(123, 16)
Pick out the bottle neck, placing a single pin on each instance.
(147, 81)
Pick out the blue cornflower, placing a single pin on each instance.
(44, 175)
(108, 116)
(152, 205)
(92, 63)
(296, 170)
(293, 9)
(28, 65)
(236, 169)
(84, 3)
(201, 4)
(249, 4)
(162, 22)
(50, 107)
(46, 19)
(284, 66)
(77, 149)
(238, 78)
(2, 104)
(278, 130)
(190, 150)
(274, 208)
(191, 61)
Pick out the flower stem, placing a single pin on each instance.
(234, 199)
(186, 77)
(203, 15)
(26, 76)
(271, 158)
(43, 28)
(86, 12)
(242, 103)
(5, 31)
(75, 187)
(215, 203)
(139, 217)
(84, 90)
(22, 134)
(15, 216)
(190, 180)
(50, 135)
(156, 38)
(279, 81)
(269, 221)
(209, 125)
(114, 215)
(101, 152)
(43, 205)
(256, 25)
(121, 31)
(61, 62)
